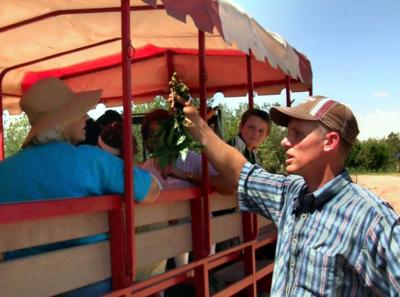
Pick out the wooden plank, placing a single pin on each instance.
(220, 202)
(263, 222)
(159, 244)
(55, 272)
(160, 212)
(27, 234)
(156, 245)
(226, 227)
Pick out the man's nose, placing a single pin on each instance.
(285, 143)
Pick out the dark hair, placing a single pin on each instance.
(92, 132)
(263, 115)
(156, 115)
(110, 116)
(112, 135)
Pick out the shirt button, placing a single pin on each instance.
(287, 291)
(304, 216)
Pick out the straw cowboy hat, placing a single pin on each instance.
(50, 102)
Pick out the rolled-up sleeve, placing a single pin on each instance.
(261, 192)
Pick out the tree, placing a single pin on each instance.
(370, 155)
(393, 141)
(15, 134)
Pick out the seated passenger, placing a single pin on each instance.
(94, 127)
(110, 139)
(254, 128)
(50, 166)
(185, 171)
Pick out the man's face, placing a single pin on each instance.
(254, 131)
(304, 147)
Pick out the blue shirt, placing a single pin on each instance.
(61, 170)
(340, 240)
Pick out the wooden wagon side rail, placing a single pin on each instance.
(53, 221)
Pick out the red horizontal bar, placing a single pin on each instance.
(27, 211)
(266, 238)
(266, 270)
(162, 281)
(160, 286)
(224, 259)
(236, 287)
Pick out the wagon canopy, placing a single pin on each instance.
(80, 41)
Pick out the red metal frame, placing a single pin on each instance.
(287, 83)
(1, 122)
(178, 275)
(127, 138)
(122, 218)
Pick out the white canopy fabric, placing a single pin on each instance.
(37, 29)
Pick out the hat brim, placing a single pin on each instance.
(79, 104)
(282, 115)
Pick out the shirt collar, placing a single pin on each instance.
(308, 202)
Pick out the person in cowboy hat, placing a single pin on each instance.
(51, 166)
(335, 238)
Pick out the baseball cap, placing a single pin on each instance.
(333, 114)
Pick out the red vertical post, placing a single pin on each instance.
(249, 220)
(288, 100)
(200, 207)
(1, 121)
(250, 87)
(310, 91)
(127, 130)
(250, 269)
(203, 113)
(117, 247)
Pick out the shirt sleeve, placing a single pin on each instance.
(111, 171)
(262, 192)
(379, 262)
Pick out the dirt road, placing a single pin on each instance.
(385, 186)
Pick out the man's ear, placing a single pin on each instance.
(332, 141)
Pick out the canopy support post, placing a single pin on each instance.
(1, 121)
(250, 86)
(287, 83)
(127, 136)
(200, 208)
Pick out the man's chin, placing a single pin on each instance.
(291, 170)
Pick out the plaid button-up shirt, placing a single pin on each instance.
(340, 240)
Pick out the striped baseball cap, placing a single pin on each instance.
(334, 115)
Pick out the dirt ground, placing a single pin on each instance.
(385, 186)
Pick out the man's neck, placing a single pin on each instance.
(318, 180)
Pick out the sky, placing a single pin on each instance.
(354, 49)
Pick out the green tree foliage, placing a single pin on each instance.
(393, 141)
(370, 155)
(15, 134)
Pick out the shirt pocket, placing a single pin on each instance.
(315, 275)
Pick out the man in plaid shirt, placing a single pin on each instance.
(335, 238)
